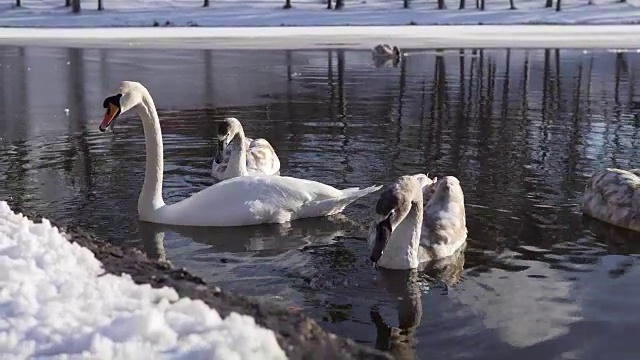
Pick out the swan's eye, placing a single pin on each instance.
(115, 100)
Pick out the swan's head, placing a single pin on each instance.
(227, 129)
(130, 94)
(392, 208)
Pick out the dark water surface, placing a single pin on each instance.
(522, 130)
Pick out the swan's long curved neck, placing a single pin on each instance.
(150, 198)
(238, 159)
(402, 250)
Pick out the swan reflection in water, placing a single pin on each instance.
(260, 240)
(616, 239)
(379, 62)
(407, 286)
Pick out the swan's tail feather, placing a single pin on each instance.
(335, 205)
(357, 192)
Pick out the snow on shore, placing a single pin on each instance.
(55, 299)
(353, 37)
(265, 24)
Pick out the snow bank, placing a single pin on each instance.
(352, 37)
(225, 13)
(238, 24)
(55, 299)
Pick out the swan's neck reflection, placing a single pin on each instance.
(153, 242)
(400, 340)
(406, 286)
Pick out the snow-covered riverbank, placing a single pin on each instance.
(465, 36)
(56, 299)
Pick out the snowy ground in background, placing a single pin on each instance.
(55, 299)
(258, 24)
(353, 37)
(51, 13)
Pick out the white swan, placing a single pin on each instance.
(613, 196)
(400, 239)
(261, 158)
(244, 200)
(386, 50)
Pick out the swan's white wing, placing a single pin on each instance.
(249, 200)
(261, 158)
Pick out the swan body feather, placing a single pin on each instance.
(613, 196)
(258, 199)
(385, 50)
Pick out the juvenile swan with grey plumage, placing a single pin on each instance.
(261, 158)
(243, 200)
(407, 232)
(613, 196)
(386, 50)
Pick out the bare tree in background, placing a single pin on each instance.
(512, 5)
(100, 7)
(558, 5)
(18, 3)
(329, 4)
(406, 4)
(75, 6)
(67, 3)
(339, 4)
(482, 5)
(287, 4)
(549, 4)
(442, 5)
(206, 3)
(462, 4)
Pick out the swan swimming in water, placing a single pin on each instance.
(244, 200)
(386, 50)
(384, 55)
(400, 239)
(613, 196)
(261, 158)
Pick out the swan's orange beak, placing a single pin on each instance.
(110, 114)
